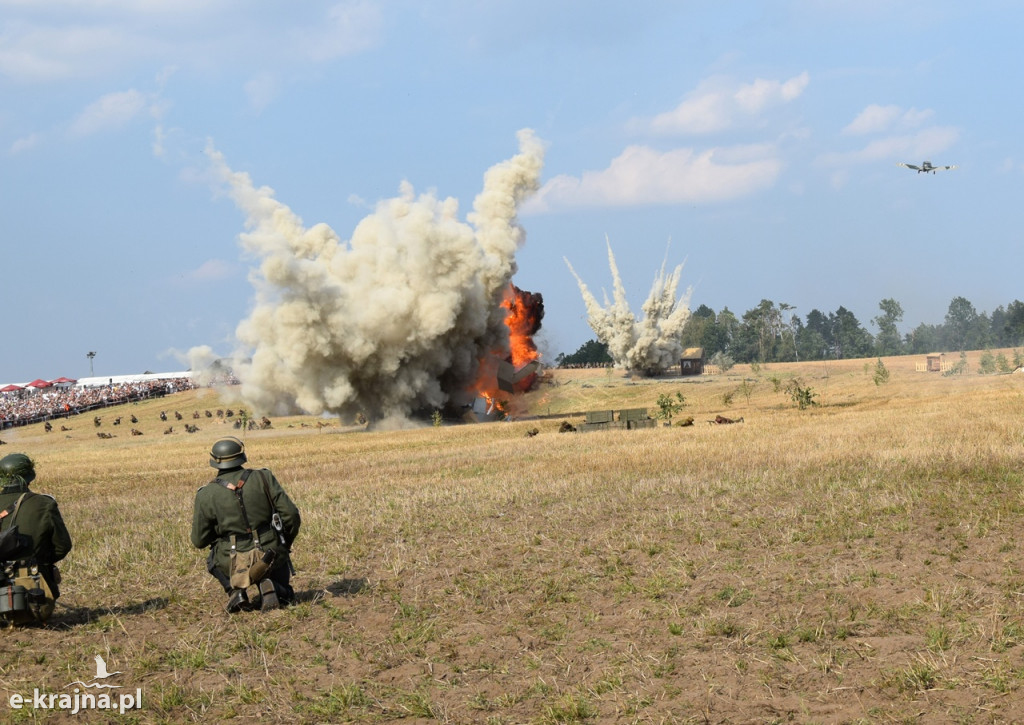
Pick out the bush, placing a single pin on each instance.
(669, 406)
(959, 368)
(722, 361)
(803, 397)
(881, 373)
(986, 363)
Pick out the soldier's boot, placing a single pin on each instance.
(269, 594)
(39, 605)
(237, 599)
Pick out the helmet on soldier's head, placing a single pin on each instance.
(17, 468)
(227, 453)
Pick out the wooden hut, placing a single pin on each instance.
(691, 362)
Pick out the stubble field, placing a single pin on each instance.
(857, 561)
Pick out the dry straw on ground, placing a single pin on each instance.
(855, 561)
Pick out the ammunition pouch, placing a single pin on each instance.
(248, 567)
(26, 595)
(259, 570)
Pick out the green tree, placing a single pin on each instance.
(923, 339)
(1012, 333)
(591, 352)
(804, 397)
(881, 375)
(987, 363)
(704, 330)
(888, 340)
(815, 338)
(723, 361)
(789, 350)
(760, 333)
(959, 367)
(727, 326)
(669, 405)
(851, 340)
(746, 389)
(961, 326)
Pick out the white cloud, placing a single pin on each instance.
(113, 110)
(90, 38)
(24, 144)
(261, 90)
(211, 270)
(159, 137)
(641, 175)
(879, 119)
(908, 147)
(718, 104)
(349, 27)
(35, 53)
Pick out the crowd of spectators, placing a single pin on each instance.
(33, 405)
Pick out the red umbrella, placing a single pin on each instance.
(38, 383)
(10, 388)
(62, 380)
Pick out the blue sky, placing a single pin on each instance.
(756, 142)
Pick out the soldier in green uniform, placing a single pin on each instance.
(249, 523)
(45, 537)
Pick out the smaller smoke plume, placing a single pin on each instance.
(650, 345)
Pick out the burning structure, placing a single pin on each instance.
(415, 313)
(648, 346)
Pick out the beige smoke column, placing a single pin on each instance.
(647, 346)
(392, 321)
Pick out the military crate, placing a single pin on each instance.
(629, 415)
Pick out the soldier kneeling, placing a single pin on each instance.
(33, 538)
(249, 523)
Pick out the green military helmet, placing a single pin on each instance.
(227, 453)
(17, 468)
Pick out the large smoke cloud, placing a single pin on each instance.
(396, 320)
(647, 346)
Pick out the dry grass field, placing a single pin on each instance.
(857, 561)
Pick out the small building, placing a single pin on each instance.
(691, 362)
(933, 363)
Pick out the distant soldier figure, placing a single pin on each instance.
(249, 523)
(34, 538)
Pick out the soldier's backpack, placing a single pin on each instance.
(25, 594)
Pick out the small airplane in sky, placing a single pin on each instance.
(925, 167)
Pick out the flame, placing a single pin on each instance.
(523, 316)
(525, 312)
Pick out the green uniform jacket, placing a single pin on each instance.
(217, 515)
(39, 518)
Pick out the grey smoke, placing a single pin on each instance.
(395, 320)
(651, 344)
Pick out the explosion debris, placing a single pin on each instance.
(409, 315)
(653, 344)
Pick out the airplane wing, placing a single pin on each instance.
(943, 168)
(909, 166)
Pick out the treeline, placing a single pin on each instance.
(771, 333)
